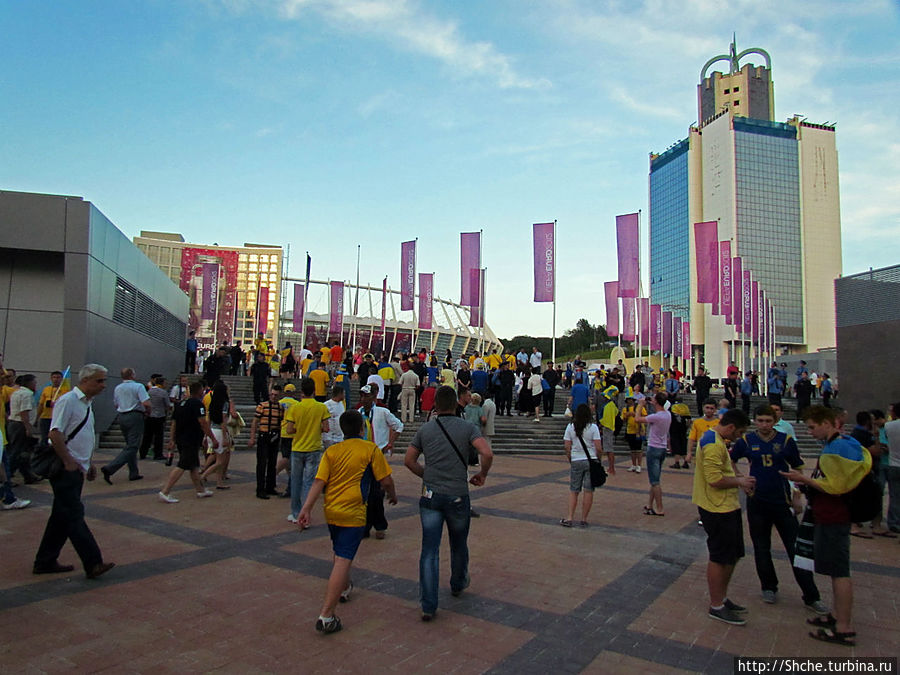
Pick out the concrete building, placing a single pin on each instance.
(772, 189)
(74, 290)
(244, 279)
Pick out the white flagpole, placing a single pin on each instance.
(553, 349)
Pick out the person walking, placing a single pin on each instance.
(132, 404)
(20, 429)
(409, 382)
(382, 428)
(445, 442)
(188, 428)
(306, 421)
(658, 424)
(154, 425)
(583, 442)
(72, 438)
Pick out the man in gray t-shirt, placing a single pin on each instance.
(445, 493)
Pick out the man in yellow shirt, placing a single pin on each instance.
(343, 470)
(493, 360)
(290, 398)
(320, 378)
(699, 427)
(49, 396)
(716, 495)
(326, 354)
(306, 421)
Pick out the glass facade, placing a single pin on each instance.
(767, 209)
(670, 263)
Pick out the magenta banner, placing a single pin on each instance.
(611, 288)
(210, 301)
(773, 330)
(677, 349)
(686, 340)
(655, 327)
(383, 304)
(725, 299)
(262, 309)
(629, 320)
(666, 333)
(643, 308)
(746, 302)
(469, 259)
(336, 322)
(407, 275)
(754, 304)
(627, 243)
(299, 308)
(706, 241)
(544, 262)
(475, 284)
(737, 295)
(476, 316)
(426, 292)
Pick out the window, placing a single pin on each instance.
(737, 89)
(728, 91)
(736, 103)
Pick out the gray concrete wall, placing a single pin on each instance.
(869, 363)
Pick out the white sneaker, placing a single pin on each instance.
(632, 468)
(18, 504)
(168, 499)
(291, 518)
(637, 469)
(205, 493)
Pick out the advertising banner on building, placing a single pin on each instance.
(725, 299)
(544, 262)
(426, 292)
(299, 308)
(336, 318)
(686, 340)
(643, 308)
(407, 275)
(677, 349)
(195, 282)
(706, 241)
(655, 327)
(628, 248)
(737, 293)
(666, 333)
(469, 259)
(747, 302)
(262, 304)
(611, 289)
(629, 320)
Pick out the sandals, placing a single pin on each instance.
(822, 621)
(861, 535)
(565, 522)
(648, 511)
(830, 635)
(885, 533)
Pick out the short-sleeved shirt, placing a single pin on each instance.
(335, 409)
(700, 426)
(337, 354)
(589, 435)
(345, 469)
(766, 459)
(269, 417)
(51, 393)
(68, 413)
(445, 472)
(658, 429)
(307, 416)
(187, 416)
(580, 393)
(129, 396)
(320, 379)
(22, 400)
(159, 402)
(286, 403)
(712, 464)
(326, 354)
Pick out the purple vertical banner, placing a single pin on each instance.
(298, 308)
(677, 335)
(686, 340)
(426, 292)
(725, 299)
(476, 316)
(383, 304)
(544, 262)
(262, 308)
(469, 259)
(336, 321)
(643, 305)
(655, 327)
(754, 311)
(407, 275)
(737, 295)
(773, 330)
(746, 303)
(611, 289)
(627, 244)
(210, 301)
(706, 242)
(666, 346)
(629, 320)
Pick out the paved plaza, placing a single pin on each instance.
(227, 584)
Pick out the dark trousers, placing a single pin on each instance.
(67, 522)
(774, 399)
(153, 435)
(394, 397)
(190, 362)
(504, 400)
(260, 390)
(701, 397)
(375, 509)
(20, 446)
(761, 516)
(132, 426)
(549, 400)
(826, 399)
(44, 426)
(745, 403)
(266, 457)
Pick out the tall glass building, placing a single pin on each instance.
(772, 187)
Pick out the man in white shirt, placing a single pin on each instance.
(132, 404)
(336, 406)
(535, 360)
(384, 430)
(20, 428)
(72, 437)
(375, 380)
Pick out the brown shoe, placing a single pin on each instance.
(379, 534)
(100, 569)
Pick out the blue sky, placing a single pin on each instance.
(327, 124)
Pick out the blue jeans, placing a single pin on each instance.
(655, 457)
(434, 512)
(132, 426)
(303, 472)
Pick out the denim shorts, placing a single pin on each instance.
(655, 457)
(580, 476)
(345, 540)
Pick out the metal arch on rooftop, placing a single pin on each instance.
(734, 59)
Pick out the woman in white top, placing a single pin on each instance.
(536, 385)
(582, 439)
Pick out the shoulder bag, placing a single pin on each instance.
(598, 473)
(44, 460)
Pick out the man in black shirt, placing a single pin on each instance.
(507, 380)
(804, 390)
(702, 386)
(551, 376)
(189, 426)
(260, 371)
(731, 389)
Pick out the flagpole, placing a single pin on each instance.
(305, 300)
(553, 348)
(481, 272)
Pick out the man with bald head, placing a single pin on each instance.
(132, 405)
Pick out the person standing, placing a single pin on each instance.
(827, 390)
(445, 442)
(20, 428)
(769, 505)
(731, 386)
(548, 397)
(658, 424)
(892, 433)
(260, 371)
(804, 390)
(490, 415)
(409, 382)
(536, 387)
(506, 380)
(132, 405)
(265, 434)
(608, 424)
(50, 393)
(715, 492)
(582, 442)
(534, 360)
(306, 421)
(154, 425)
(746, 391)
(700, 426)
(188, 428)
(190, 353)
(774, 384)
(72, 438)
(702, 387)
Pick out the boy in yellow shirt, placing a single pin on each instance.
(699, 427)
(347, 469)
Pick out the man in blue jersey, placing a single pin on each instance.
(769, 451)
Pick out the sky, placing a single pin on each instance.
(327, 124)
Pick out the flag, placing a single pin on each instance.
(666, 333)
(611, 289)
(725, 299)
(298, 308)
(469, 259)
(706, 238)
(747, 304)
(476, 316)
(655, 327)
(336, 322)
(544, 262)
(262, 309)
(677, 334)
(737, 293)
(407, 275)
(628, 318)
(686, 340)
(627, 245)
(426, 291)
(754, 304)
(643, 306)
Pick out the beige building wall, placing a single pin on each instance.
(821, 231)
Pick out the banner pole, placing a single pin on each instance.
(553, 348)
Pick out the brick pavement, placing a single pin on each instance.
(227, 584)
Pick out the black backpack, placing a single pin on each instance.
(865, 500)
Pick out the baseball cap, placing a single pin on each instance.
(609, 392)
(366, 389)
(290, 387)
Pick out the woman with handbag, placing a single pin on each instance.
(583, 443)
(220, 411)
